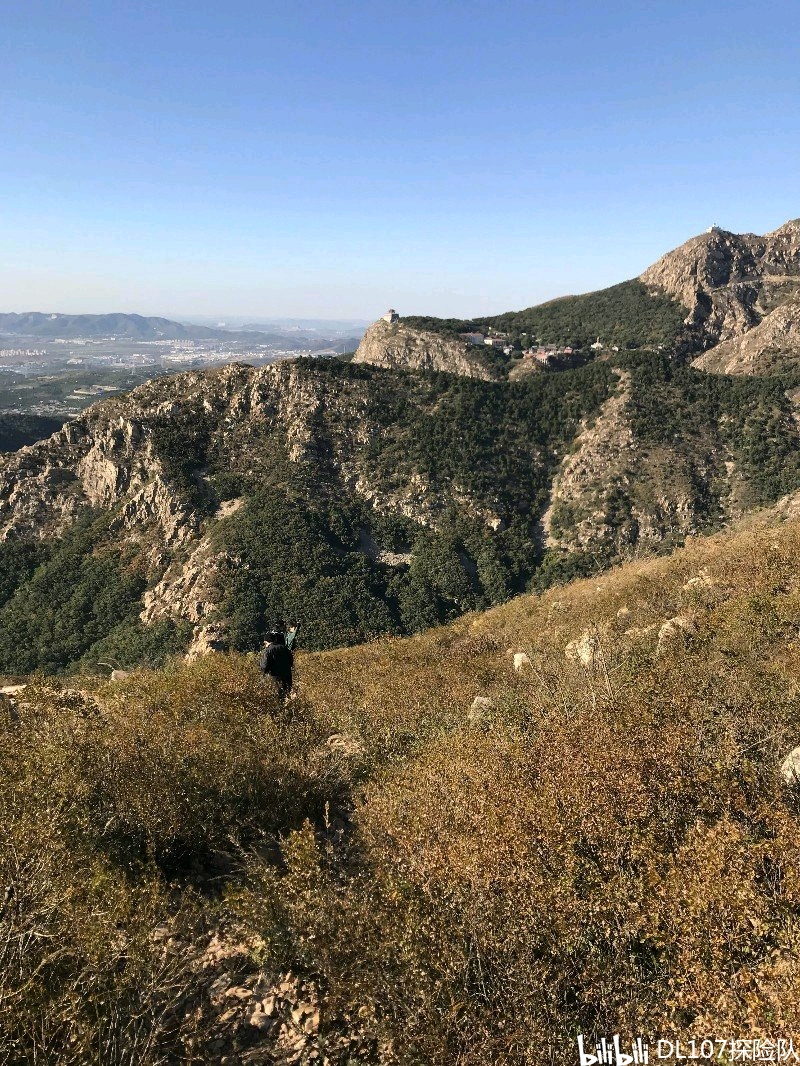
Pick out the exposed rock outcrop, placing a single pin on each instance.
(771, 346)
(730, 284)
(397, 345)
(576, 516)
(674, 632)
(790, 767)
(585, 649)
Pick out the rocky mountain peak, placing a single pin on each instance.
(730, 283)
(389, 342)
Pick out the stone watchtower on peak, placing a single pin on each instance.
(390, 316)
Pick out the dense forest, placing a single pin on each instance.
(750, 417)
(75, 602)
(17, 430)
(626, 316)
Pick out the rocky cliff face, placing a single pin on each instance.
(108, 458)
(771, 346)
(731, 284)
(396, 345)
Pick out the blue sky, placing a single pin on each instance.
(322, 158)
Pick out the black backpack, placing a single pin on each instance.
(276, 660)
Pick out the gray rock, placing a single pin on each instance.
(729, 283)
(259, 1020)
(790, 767)
(481, 709)
(673, 632)
(584, 649)
(395, 344)
(702, 580)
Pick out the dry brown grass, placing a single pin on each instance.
(612, 849)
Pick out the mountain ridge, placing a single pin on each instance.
(718, 288)
(137, 327)
(363, 500)
(730, 283)
(124, 326)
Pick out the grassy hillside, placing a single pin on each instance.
(377, 878)
(627, 315)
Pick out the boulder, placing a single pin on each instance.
(790, 767)
(522, 662)
(674, 631)
(584, 649)
(239, 992)
(481, 709)
(211, 637)
(259, 1020)
(702, 580)
(12, 690)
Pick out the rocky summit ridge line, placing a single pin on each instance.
(737, 286)
(735, 301)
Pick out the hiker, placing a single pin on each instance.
(277, 659)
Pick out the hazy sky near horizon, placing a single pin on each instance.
(330, 158)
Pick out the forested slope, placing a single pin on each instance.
(361, 501)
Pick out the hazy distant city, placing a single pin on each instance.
(61, 376)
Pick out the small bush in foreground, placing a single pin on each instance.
(175, 767)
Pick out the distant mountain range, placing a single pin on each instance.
(135, 327)
(41, 326)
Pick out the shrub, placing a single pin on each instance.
(176, 768)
